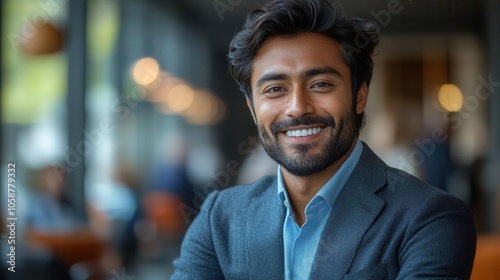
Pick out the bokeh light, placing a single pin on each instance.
(179, 98)
(164, 84)
(450, 97)
(206, 109)
(145, 71)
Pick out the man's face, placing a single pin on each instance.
(302, 102)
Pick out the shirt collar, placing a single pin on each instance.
(332, 188)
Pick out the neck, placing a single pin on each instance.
(301, 189)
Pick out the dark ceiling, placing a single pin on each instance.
(415, 16)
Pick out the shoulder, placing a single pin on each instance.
(403, 184)
(407, 194)
(230, 208)
(403, 193)
(392, 184)
(433, 227)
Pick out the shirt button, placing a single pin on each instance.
(285, 202)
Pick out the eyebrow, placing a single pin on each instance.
(320, 71)
(271, 77)
(308, 73)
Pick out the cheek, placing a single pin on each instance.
(333, 106)
(266, 112)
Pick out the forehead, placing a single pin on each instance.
(295, 54)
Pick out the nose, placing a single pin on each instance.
(299, 104)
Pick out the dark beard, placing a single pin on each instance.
(297, 158)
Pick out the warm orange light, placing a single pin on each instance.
(206, 109)
(145, 71)
(450, 97)
(180, 98)
(164, 84)
(201, 110)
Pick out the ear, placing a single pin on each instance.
(249, 104)
(362, 98)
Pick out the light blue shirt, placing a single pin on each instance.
(301, 242)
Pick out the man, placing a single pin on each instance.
(334, 210)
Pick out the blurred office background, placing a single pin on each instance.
(120, 117)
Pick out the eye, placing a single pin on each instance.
(321, 85)
(274, 89)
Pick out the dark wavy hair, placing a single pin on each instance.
(358, 38)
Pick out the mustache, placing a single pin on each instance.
(276, 127)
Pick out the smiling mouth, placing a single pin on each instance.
(303, 132)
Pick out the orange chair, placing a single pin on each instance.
(70, 247)
(487, 261)
(162, 209)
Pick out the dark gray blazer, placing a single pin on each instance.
(385, 224)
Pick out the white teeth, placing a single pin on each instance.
(303, 132)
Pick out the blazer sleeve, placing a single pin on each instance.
(198, 259)
(440, 241)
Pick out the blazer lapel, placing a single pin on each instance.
(264, 236)
(352, 214)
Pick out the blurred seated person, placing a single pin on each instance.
(54, 228)
(50, 210)
(171, 190)
(113, 207)
(170, 175)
